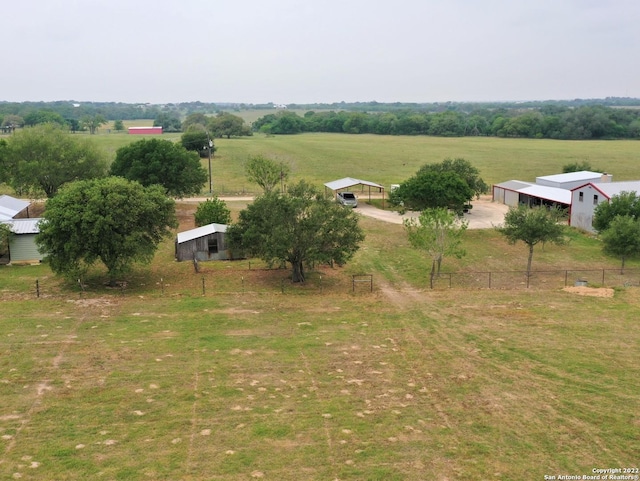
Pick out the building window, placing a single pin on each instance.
(213, 245)
(581, 196)
(595, 199)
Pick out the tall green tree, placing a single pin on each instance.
(196, 119)
(155, 161)
(227, 125)
(111, 220)
(622, 238)
(46, 116)
(92, 122)
(169, 121)
(196, 139)
(464, 169)
(624, 204)
(267, 173)
(41, 159)
(429, 190)
(439, 233)
(533, 226)
(212, 211)
(301, 227)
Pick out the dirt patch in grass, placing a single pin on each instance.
(590, 291)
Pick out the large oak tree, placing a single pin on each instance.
(161, 162)
(41, 159)
(111, 220)
(301, 227)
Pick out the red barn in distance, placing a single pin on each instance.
(145, 130)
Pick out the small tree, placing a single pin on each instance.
(533, 226)
(439, 233)
(301, 227)
(92, 122)
(576, 167)
(212, 211)
(112, 220)
(118, 125)
(622, 238)
(161, 162)
(267, 173)
(623, 204)
(5, 237)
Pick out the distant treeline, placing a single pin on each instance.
(546, 122)
(609, 118)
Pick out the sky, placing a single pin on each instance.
(295, 51)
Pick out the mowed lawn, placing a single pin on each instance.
(236, 374)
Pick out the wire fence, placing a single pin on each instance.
(263, 280)
(551, 279)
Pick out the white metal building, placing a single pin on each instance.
(585, 199)
(547, 190)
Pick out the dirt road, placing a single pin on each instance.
(484, 215)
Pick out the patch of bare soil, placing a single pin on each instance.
(590, 291)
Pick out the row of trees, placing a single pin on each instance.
(551, 122)
(223, 124)
(39, 160)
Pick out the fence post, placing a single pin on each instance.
(489, 279)
(37, 288)
(203, 286)
(603, 277)
(162, 285)
(566, 276)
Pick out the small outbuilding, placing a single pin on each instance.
(347, 183)
(145, 130)
(22, 244)
(206, 243)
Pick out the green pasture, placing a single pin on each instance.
(321, 157)
(233, 373)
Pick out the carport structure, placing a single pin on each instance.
(348, 182)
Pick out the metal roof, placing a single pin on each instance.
(554, 194)
(585, 175)
(614, 188)
(513, 185)
(10, 206)
(200, 232)
(350, 182)
(23, 226)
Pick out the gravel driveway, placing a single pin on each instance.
(484, 215)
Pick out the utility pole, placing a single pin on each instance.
(210, 146)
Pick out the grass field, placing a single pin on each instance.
(386, 160)
(259, 379)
